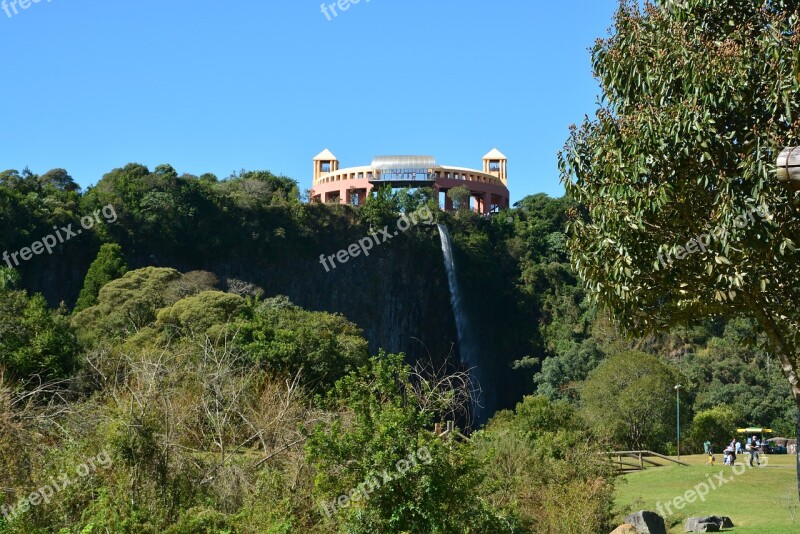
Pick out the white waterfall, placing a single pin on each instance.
(467, 347)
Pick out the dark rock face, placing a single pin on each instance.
(399, 296)
(403, 305)
(647, 522)
(711, 523)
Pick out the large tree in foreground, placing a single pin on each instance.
(699, 97)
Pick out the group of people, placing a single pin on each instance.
(734, 448)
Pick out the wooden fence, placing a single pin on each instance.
(636, 460)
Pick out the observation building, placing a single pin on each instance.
(488, 188)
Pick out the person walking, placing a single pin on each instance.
(754, 447)
(732, 447)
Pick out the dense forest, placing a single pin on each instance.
(188, 350)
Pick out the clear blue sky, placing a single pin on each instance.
(219, 86)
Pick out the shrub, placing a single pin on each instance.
(33, 339)
(381, 429)
(717, 425)
(108, 266)
(541, 466)
(126, 305)
(630, 399)
(207, 313)
(287, 340)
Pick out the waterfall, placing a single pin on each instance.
(467, 346)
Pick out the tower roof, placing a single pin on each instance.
(325, 155)
(495, 154)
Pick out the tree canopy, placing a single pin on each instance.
(679, 214)
(630, 400)
(109, 265)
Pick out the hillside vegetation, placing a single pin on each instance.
(186, 400)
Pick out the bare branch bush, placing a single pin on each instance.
(200, 411)
(29, 424)
(438, 389)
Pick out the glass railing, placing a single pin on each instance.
(404, 175)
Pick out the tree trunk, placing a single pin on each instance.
(797, 447)
(783, 350)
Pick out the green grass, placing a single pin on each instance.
(753, 499)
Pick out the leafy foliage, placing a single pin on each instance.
(630, 400)
(126, 305)
(537, 462)
(735, 370)
(289, 340)
(698, 100)
(109, 265)
(207, 314)
(9, 278)
(33, 339)
(460, 196)
(434, 493)
(380, 208)
(717, 425)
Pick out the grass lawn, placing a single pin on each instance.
(754, 499)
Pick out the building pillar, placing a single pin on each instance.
(487, 203)
(448, 202)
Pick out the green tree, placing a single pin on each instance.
(561, 374)
(109, 265)
(126, 305)
(59, 179)
(29, 208)
(460, 196)
(33, 339)
(735, 370)
(207, 313)
(630, 400)
(698, 100)
(569, 352)
(287, 340)
(410, 200)
(380, 208)
(157, 210)
(383, 454)
(540, 462)
(258, 189)
(9, 278)
(717, 425)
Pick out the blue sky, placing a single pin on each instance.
(220, 86)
